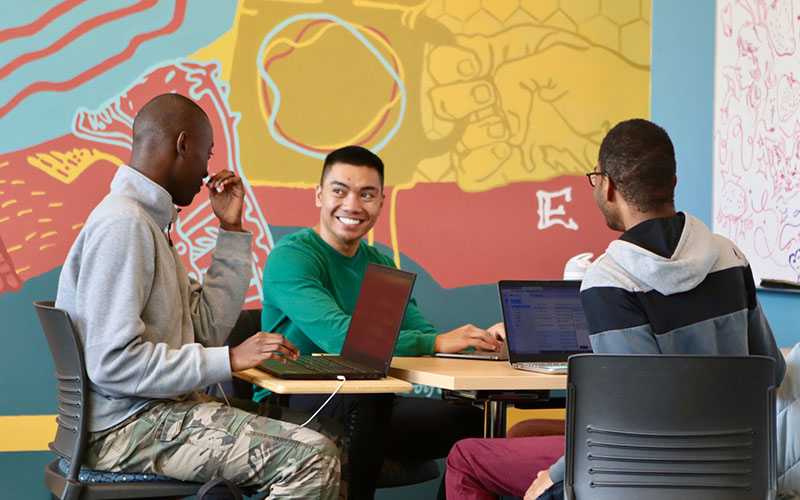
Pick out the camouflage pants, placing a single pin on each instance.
(198, 441)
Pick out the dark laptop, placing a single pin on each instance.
(544, 323)
(371, 336)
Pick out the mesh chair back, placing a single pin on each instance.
(668, 427)
(70, 382)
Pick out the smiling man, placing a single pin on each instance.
(311, 282)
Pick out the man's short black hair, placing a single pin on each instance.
(640, 160)
(352, 155)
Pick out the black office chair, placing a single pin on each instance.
(670, 427)
(71, 436)
(394, 472)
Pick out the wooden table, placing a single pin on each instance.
(282, 386)
(476, 375)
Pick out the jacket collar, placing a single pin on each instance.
(155, 200)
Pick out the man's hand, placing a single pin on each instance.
(539, 485)
(498, 330)
(226, 192)
(261, 347)
(466, 336)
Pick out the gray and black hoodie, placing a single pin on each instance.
(671, 286)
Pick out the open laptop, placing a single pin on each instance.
(371, 336)
(501, 355)
(544, 323)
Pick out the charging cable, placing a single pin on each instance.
(343, 380)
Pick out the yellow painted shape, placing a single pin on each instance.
(46, 219)
(7, 203)
(56, 204)
(3, 164)
(222, 48)
(4, 219)
(312, 40)
(47, 235)
(37, 193)
(27, 432)
(76, 226)
(28, 237)
(23, 212)
(514, 415)
(17, 181)
(23, 269)
(66, 166)
(46, 246)
(14, 248)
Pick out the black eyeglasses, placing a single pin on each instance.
(592, 180)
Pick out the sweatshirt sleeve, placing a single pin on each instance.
(217, 302)
(117, 266)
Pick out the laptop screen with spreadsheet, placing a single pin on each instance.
(544, 320)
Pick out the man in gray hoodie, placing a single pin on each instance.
(152, 336)
(666, 286)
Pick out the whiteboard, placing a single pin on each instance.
(757, 133)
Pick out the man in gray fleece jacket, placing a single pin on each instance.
(152, 336)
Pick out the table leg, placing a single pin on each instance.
(495, 412)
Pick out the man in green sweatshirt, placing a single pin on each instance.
(311, 282)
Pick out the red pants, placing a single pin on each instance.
(483, 469)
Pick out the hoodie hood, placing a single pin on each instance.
(693, 258)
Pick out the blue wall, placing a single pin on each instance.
(682, 100)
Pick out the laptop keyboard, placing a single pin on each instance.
(555, 364)
(328, 364)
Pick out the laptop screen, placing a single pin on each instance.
(544, 320)
(378, 315)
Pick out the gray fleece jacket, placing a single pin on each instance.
(147, 329)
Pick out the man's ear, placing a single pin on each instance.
(180, 145)
(318, 196)
(608, 189)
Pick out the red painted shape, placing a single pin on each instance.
(42, 251)
(465, 239)
(36, 87)
(73, 34)
(38, 24)
(9, 280)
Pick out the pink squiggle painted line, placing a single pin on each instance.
(74, 34)
(36, 87)
(39, 24)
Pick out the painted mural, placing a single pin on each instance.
(757, 133)
(486, 113)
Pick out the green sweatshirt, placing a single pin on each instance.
(310, 291)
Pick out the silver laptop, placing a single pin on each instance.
(544, 323)
(501, 355)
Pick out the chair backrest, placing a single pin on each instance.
(667, 427)
(249, 322)
(71, 382)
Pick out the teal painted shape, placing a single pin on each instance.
(47, 115)
(22, 475)
(26, 367)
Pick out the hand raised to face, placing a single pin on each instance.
(226, 192)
